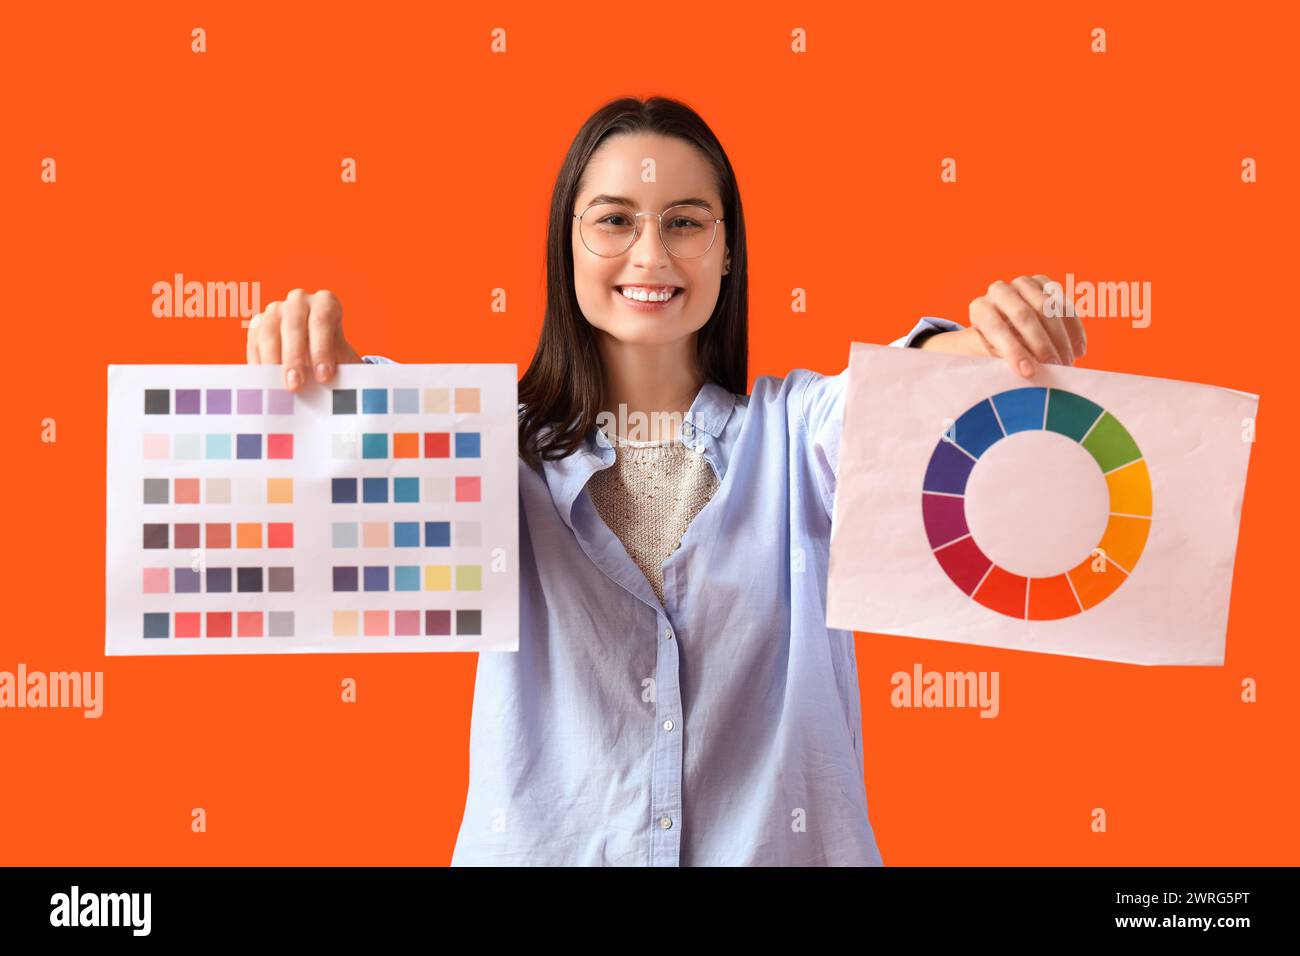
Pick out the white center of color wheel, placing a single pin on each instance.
(1037, 503)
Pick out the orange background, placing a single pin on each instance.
(225, 166)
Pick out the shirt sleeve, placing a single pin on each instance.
(377, 360)
(822, 406)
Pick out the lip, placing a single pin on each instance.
(647, 306)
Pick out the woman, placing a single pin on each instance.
(677, 698)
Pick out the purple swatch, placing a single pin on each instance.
(187, 401)
(218, 401)
(948, 469)
(249, 401)
(279, 401)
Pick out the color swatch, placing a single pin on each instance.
(379, 513)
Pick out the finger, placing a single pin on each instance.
(1072, 328)
(250, 341)
(322, 332)
(1073, 324)
(268, 335)
(293, 338)
(1032, 292)
(1025, 321)
(1001, 339)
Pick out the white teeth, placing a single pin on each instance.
(644, 295)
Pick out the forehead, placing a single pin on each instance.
(618, 165)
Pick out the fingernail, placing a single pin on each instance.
(291, 378)
(322, 372)
(1026, 367)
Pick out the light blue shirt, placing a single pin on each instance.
(721, 728)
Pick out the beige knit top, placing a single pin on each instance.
(649, 496)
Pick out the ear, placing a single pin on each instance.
(726, 263)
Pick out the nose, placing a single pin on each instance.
(648, 251)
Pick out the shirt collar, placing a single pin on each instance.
(566, 477)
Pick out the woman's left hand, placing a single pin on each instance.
(1010, 321)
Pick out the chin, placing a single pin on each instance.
(647, 331)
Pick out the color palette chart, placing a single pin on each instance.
(376, 513)
(1098, 572)
(1077, 512)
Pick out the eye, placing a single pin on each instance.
(683, 223)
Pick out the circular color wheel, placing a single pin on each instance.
(1103, 570)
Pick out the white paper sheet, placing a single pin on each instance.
(1026, 520)
(435, 563)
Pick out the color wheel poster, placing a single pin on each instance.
(1079, 512)
(378, 513)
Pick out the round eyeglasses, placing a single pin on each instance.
(610, 229)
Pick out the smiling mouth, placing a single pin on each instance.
(648, 293)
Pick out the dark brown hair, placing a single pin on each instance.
(561, 392)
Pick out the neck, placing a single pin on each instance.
(651, 386)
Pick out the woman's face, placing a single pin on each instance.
(681, 172)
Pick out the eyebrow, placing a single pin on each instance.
(623, 200)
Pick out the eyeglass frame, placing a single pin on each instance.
(636, 228)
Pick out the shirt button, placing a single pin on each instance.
(668, 633)
(668, 725)
(666, 823)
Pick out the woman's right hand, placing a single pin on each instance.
(304, 333)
